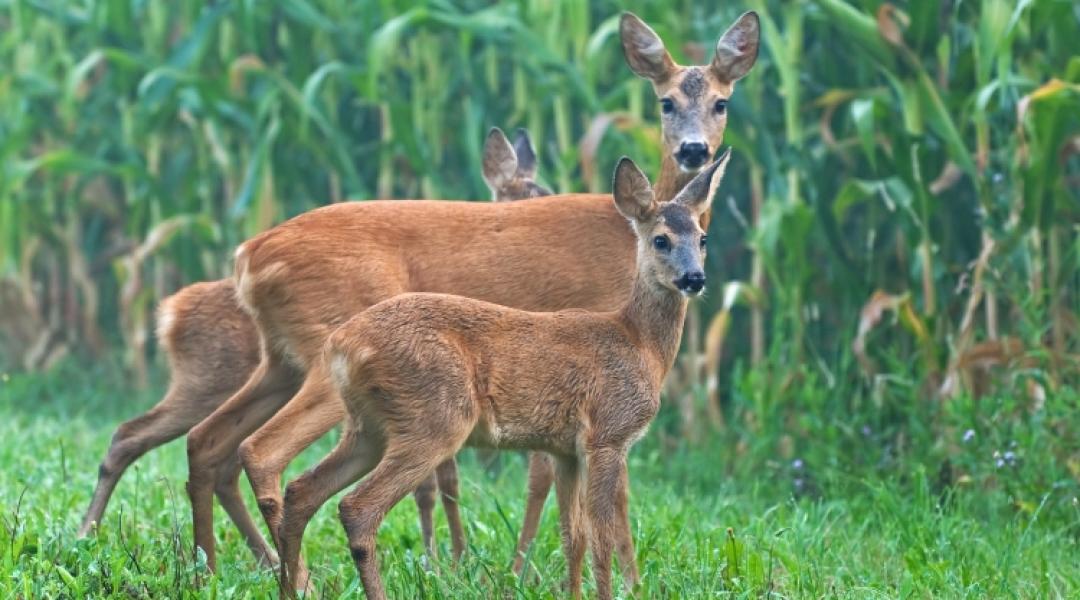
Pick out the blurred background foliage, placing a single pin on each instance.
(899, 226)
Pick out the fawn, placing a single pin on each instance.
(422, 375)
(305, 277)
(212, 347)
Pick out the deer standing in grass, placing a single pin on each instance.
(307, 276)
(212, 348)
(423, 375)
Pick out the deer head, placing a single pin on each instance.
(671, 242)
(693, 100)
(510, 170)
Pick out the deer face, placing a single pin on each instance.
(693, 100)
(671, 242)
(510, 170)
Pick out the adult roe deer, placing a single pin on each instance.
(212, 347)
(305, 277)
(422, 375)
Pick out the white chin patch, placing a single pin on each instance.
(686, 169)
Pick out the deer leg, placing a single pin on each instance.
(604, 471)
(541, 476)
(266, 453)
(424, 495)
(568, 494)
(448, 485)
(355, 455)
(624, 538)
(227, 490)
(177, 412)
(400, 471)
(216, 439)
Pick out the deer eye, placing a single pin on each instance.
(661, 242)
(704, 240)
(667, 106)
(720, 107)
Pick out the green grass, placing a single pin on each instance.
(735, 517)
(842, 522)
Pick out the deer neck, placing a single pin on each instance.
(671, 180)
(656, 314)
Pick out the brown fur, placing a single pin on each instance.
(309, 275)
(212, 348)
(422, 375)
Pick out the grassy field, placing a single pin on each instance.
(866, 516)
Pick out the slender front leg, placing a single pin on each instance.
(568, 493)
(604, 470)
(541, 476)
(624, 537)
(424, 495)
(448, 486)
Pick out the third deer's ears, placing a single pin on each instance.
(737, 49)
(634, 196)
(643, 49)
(500, 161)
(698, 194)
(526, 154)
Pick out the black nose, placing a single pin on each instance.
(692, 155)
(691, 282)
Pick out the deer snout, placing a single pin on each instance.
(691, 283)
(691, 155)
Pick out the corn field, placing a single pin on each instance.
(903, 208)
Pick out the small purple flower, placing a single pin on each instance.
(798, 483)
(797, 464)
(969, 435)
(866, 431)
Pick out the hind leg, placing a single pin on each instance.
(400, 471)
(216, 439)
(356, 454)
(227, 490)
(177, 412)
(266, 453)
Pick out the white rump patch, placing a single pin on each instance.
(339, 370)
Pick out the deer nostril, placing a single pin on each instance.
(693, 153)
(691, 282)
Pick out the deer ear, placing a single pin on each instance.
(698, 194)
(633, 195)
(500, 162)
(737, 49)
(526, 155)
(643, 49)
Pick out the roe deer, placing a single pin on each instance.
(510, 170)
(303, 278)
(422, 375)
(212, 348)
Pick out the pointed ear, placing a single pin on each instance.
(633, 195)
(737, 49)
(643, 49)
(500, 162)
(698, 194)
(526, 155)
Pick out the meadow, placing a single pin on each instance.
(861, 516)
(877, 397)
